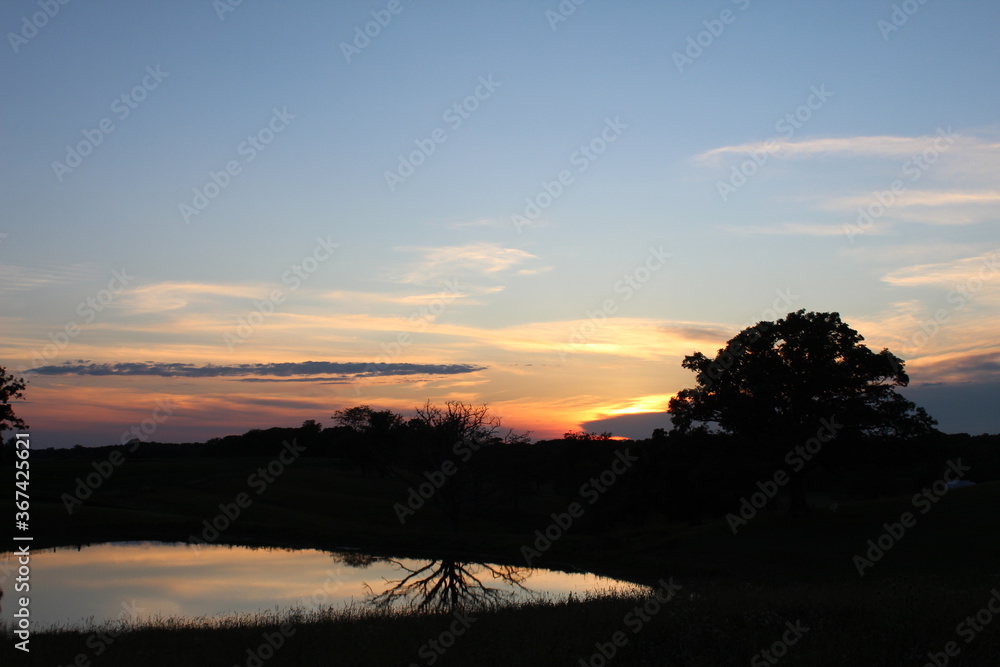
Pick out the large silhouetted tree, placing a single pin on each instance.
(10, 388)
(778, 384)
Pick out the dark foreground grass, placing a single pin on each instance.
(891, 622)
(739, 591)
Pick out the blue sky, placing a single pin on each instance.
(837, 101)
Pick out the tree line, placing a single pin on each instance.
(802, 399)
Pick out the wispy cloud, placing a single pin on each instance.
(934, 207)
(482, 258)
(419, 299)
(955, 172)
(789, 229)
(947, 274)
(983, 366)
(479, 223)
(884, 146)
(170, 295)
(305, 368)
(639, 405)
(15, 278)
(534, 272)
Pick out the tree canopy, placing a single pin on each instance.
(778, 380)
(800, 382)
(10, 388)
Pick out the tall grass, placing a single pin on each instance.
(889, 622)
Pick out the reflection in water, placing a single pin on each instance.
(178, 580)
(447, 585)
(356, 559)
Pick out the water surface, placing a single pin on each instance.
(74, 586)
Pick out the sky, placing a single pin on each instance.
(228, 215)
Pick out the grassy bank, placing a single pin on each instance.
(896, 622)
(739, 591)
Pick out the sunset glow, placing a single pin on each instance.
(551, 241)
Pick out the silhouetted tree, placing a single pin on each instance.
(376, 432)
(585, 435)
(777, 384)
(10, 388)
(311, 428)
(356, 559)
(446, 439)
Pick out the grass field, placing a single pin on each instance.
(738, 591)
(894, 622)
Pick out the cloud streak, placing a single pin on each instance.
(26, 279)
(481, 258)
(947, 274)
(878, 146)
(275, 370)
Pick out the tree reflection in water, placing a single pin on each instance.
(357, 559)
(447, 585)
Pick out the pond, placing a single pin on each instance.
(135, 581)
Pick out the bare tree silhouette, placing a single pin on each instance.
(447, 585)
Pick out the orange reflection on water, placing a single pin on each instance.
(70, 586)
